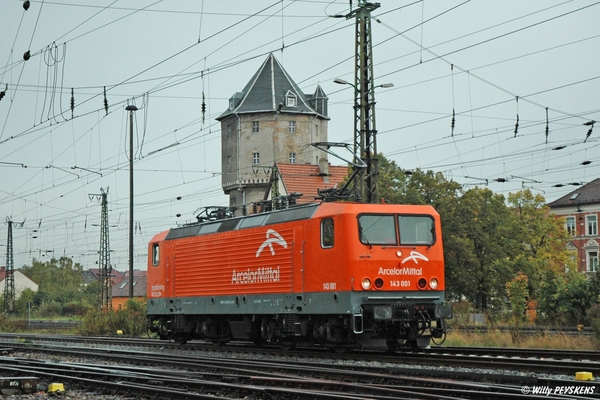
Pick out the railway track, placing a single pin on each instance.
(186, 376)
(543, 361)
(148, 370)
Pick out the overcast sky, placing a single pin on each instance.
(489, 61)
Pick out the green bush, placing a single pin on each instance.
(131, 320)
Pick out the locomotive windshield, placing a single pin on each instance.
(377, 229)
(381, 229)
(416, 229)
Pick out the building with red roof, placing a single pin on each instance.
(581, 211)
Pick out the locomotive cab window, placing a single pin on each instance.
(416, 230)
(155, 254)
(327, 233)
(377, 229)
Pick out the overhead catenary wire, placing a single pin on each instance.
(200, 134)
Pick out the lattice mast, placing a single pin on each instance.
(105, 265)
(9, 281)
(365, 132)
(104, 254)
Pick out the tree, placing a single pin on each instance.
(541, 254)
(25, 298)
(564, 297)
(60, 283)
(518, 293)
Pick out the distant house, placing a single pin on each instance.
(120, 289)
(581, 211)
(21, 282)
(304, 179)
(93, 275)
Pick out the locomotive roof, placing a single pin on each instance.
(294, 213)
(248, 221)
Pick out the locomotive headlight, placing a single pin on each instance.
(433, 283)
(366, 283)
(382, 312)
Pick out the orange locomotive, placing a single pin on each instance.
(339, 274)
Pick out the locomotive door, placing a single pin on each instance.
(298, 259)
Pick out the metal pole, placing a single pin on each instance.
(131, 109)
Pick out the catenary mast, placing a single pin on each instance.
(9, 281)
(365, 133)
(104, 254)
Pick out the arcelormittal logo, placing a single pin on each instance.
(272, 237)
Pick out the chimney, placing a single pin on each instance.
(323, 167)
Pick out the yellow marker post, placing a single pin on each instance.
(56, 388)
(584, 376)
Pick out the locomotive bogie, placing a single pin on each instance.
(332, 273)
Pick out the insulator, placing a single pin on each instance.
(547, 125)
(3, 93)
(72, 102)
(27, 55)
(517, 126)
(453, 122)
(105, 101)
(203, 107)
(26, 5)
(587, 135)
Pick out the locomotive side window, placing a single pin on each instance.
(416, 229)
(327, 233)
(377, 229)
(155, 254)
(249, 222)
(210, 228)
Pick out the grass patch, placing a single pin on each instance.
(496, 338)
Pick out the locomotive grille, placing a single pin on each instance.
(177, 322)
(290, 322)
